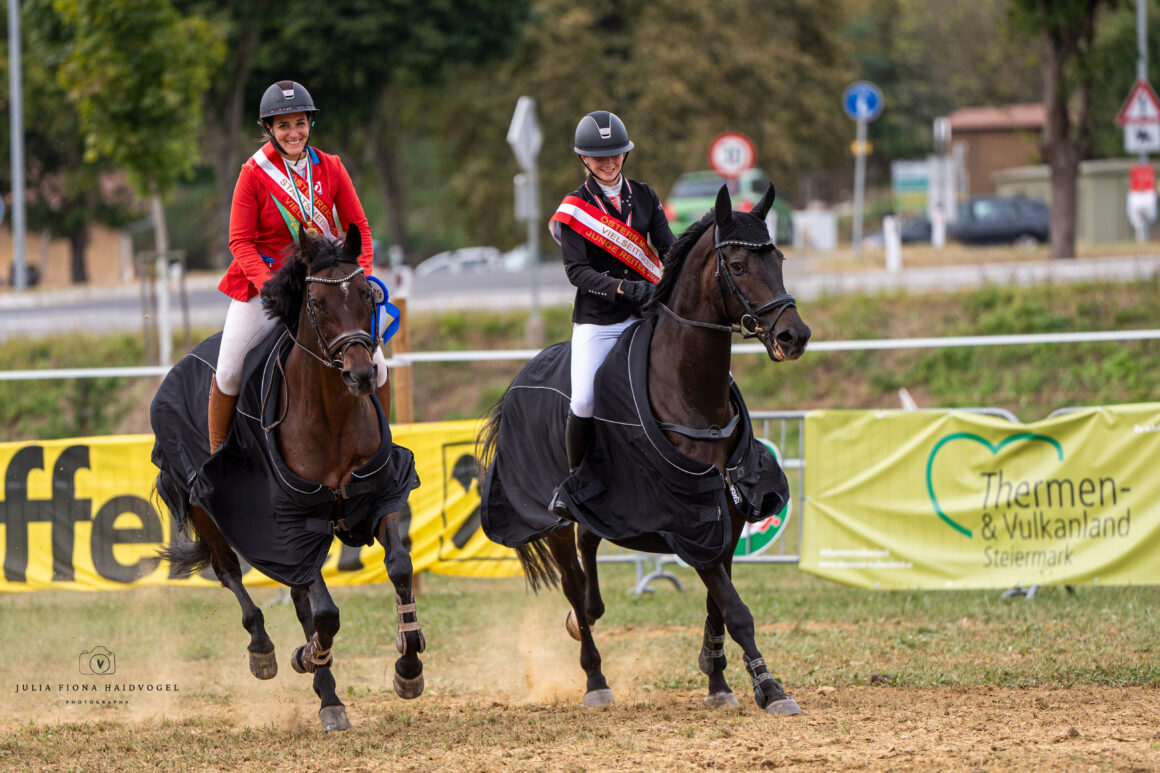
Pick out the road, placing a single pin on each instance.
(108, 309)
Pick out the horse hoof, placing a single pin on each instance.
(598, 698)
(263, 664)
(571, 624)
(783, 707)
(334, 718)
(409, 688)
(722, 700)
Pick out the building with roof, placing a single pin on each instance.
(997, 138)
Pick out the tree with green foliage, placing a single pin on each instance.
(931, 57)
(1066, 32)
(136, 73)
(66, 194)
(364, 60)
(678, 72)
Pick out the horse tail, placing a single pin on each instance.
(186, 556)
(540, 569)
(487, 441)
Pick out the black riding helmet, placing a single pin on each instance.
(600, 134)
(281, 98)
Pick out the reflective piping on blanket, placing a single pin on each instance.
(635, 402)
(271, 448)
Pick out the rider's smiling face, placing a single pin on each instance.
(291, 131)
(606, 169)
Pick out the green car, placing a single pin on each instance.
(694, 194)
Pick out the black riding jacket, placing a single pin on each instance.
(597, 273)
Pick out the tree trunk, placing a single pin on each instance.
(383, 148)
(224, 121)
(1059, 149)
(78, 240)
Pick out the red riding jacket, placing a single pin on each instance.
(259, 238)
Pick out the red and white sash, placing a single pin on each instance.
(609, 234)
(294, 193)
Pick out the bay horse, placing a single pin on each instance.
(309, 457)
(723, 276)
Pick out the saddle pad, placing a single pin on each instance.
(633, 488)
(278, 522)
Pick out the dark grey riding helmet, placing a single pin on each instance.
(600, 134)
(285, 97)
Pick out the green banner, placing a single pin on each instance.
(936, 499)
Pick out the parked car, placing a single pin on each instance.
(464, 260)
(1001, 220)
(694, 194)
(983, 220)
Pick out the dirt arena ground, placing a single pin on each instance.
(544, 727)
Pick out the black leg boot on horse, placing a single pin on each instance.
(577, 440)
(221, 415)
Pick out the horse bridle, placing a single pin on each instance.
(335, 349)
(749, 326)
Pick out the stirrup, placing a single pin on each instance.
(557, 507)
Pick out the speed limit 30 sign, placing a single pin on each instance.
(732, 154)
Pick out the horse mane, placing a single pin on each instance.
(675, 262)
(282, 293)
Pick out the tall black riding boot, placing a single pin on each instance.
(577, 438)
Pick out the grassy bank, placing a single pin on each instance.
(1031, 381)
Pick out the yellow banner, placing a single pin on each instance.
(82, 515)
(924, 499)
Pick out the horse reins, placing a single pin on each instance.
(341, 342)
(750, 329)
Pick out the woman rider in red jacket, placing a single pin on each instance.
(284, 185)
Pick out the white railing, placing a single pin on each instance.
(491, 355)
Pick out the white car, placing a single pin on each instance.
(465, 260)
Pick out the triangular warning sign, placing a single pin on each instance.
(1141, 106)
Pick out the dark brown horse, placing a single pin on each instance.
(723, 276)
(335, 471)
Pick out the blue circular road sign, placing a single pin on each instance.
(862, 101)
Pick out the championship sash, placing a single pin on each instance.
(610, 235)
(291, 193)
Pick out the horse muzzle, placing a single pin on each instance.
(788, 343)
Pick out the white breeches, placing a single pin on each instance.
(246, 324)
(590, 345)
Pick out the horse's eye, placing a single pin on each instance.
(737, 267)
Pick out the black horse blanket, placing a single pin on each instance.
(277, 521)
(633, 488)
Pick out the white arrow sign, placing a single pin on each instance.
(524, 134)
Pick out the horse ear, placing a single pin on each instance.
(352, 245)
(762, 208)
(305, 244)
(723, 209)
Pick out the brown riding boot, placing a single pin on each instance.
(221, 415)
(385, 398)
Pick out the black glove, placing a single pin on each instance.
(637, 293)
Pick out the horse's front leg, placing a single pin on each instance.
(711, 659)
(739, 623)
(225, 565)
(593, 602)
(409, 638)
(562, 543)
(314, 657)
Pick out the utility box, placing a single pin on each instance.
(815, 229)
(1101, 190)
